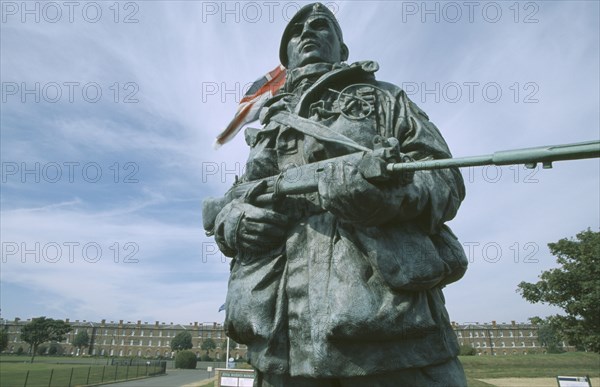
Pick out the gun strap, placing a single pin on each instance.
(315, 129)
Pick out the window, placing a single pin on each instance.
(149, 343)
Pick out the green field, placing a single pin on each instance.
(525, 366)
(16, 371)
(532, 366)
(529, 366)
(13, 369)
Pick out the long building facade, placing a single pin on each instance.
(501, 339)
(153, 340)
(131, 339)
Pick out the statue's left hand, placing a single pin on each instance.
(347, 194)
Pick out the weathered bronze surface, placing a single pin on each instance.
(342, 286)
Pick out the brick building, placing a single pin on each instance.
(131, 339)
(141, 339)
(501, 339)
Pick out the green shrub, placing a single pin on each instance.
(186, 360)
(467, 350)
(206, 357)
(55, 349)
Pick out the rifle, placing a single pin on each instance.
(381, 164)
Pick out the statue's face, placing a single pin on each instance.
(311, 41)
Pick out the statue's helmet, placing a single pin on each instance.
(313, 9)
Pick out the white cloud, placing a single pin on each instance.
(178, 53)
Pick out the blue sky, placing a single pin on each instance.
(104, 174)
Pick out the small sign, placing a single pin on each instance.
(208, 369)
(235, 377)
(574, 381)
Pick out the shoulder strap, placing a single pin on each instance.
(315, 129)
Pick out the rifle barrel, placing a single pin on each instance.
(527, 156)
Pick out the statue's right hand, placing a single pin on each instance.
(243, 226)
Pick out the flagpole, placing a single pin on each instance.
(227, 354)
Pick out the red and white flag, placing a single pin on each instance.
(264, 88)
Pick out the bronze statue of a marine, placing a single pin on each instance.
(342, 287)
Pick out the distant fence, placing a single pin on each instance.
(81, 375)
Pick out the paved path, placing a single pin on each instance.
(173, 378)
(529, 382)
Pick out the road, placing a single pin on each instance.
(173, 378)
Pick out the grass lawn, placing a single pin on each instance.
(13, 369)
(531, 366)
(52, 374)
(525, 366)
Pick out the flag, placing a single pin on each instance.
(250, 105)
(222, 308)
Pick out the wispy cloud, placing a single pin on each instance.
(171, 81)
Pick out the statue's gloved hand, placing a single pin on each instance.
(347, 194)
(242, 226)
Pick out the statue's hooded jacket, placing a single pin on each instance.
(339, 298)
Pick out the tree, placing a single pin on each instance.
(55, 349)
(574, 287)
(185, 360)
(207, 345)
(81, 340)
(183, 340)
(3, 340)
(41, 330)
(547, 334)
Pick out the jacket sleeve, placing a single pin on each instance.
(262, 162)
(434, 196)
